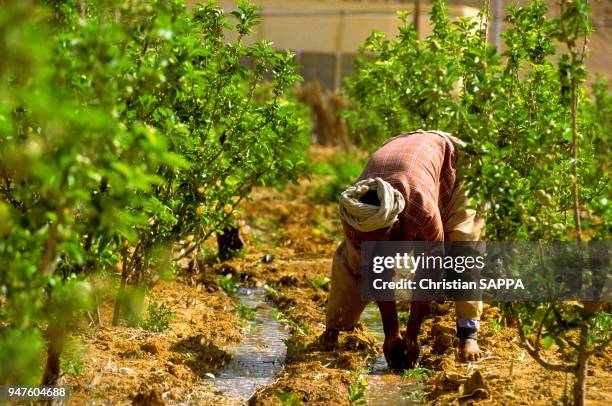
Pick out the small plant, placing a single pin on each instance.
(302, 326)
(416, 396)
(417, 373)
(246, 312)
(158, 317)
(496, 326)
(229, 283)
(320, 281)
(299, 325)
(272, 293)
(71, 363)
(288, 398)
(357, 389)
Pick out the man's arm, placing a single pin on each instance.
(388, 314)
(393, 347)
(418, 310)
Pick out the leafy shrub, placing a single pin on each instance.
(511, 108)
(334, 176)
(537, 158)
(124, 127)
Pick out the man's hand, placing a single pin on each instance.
(390, 343)
(406, 354)
(393, 348)
(401, 353)
(412, 351)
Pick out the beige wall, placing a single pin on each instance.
(332, 26)
(326, 35)
(325, 30)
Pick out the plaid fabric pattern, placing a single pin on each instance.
(421, 166)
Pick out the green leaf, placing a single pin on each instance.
(547, 342)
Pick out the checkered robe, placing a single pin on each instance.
(421, 166)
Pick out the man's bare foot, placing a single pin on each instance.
(470, 351)
(328, 340)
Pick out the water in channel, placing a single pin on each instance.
(259, 357)
(385, 387)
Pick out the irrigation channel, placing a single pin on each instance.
(260, 356)
(384, 386)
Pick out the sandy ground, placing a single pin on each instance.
(125, 365)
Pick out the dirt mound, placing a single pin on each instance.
(476, 387)
(149, 396)
(117, 359)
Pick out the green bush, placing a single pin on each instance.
(513, 109)
(538, 150)
(124, 126)
(333, 176)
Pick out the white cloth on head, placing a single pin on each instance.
(366, 217)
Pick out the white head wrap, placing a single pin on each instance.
(366, 217)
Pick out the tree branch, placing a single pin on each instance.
(535, 354)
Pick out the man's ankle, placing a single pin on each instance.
(331, 331)
(328, 340)
(330, 335)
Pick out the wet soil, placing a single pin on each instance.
(290, 243)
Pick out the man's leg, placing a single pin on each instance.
(468, 323)
(344, 304)
(465, 224)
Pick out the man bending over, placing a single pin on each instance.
(408, 191)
